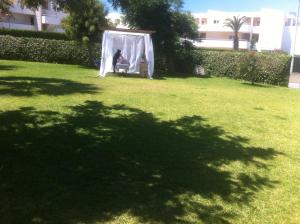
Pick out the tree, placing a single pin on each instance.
(4, 7)
(67, 5)
(235, 24)
(166, 17)
(83, 25)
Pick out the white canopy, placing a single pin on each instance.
(133, 46)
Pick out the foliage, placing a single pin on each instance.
(83, 25)
(235, 24)
(185, 58)
(270, 68)
(4, 7)
(249, 68)
(67, 5)
(34, 34)
(44, 50)
(165, 17)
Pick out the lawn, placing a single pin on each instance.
(76, 149)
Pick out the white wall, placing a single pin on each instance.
(271, 29)
(289, 39)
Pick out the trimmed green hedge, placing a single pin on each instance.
(269, 68)
(34, 34)
(44, 50)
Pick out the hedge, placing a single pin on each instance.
(269, 68)
(44, 50)
(34, 34)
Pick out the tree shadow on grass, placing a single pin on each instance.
(100, 162)
(185, 76)
(127, 75)
(30, 86)
(9, 67)
(258, 85)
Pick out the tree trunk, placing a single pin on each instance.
(236, 41)
(91, 51)
(170, 64)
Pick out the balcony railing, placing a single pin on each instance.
(220, 43)
(16, 26)
(222, 28)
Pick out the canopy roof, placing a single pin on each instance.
(129, 30)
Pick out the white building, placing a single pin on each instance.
(46, 18)
(271, 30)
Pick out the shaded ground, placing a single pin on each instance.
(77, 149)
(29, 86)
(100, 161)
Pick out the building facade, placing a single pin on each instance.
(46, 18)
(266, 30)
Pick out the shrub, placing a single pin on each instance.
(160, 64)
(268, 68)
(249, 68)
(220, 63)
(185, 59)
(34, 34)
(43, 50)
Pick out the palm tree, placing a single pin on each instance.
(235, 24)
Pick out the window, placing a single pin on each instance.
(204, 21)
(216, 21)
(247, 21)
(290, 22)
(245, 36)
(256, 21)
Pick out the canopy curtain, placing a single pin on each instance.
(133, 46)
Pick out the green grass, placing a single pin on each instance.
(79, 149)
